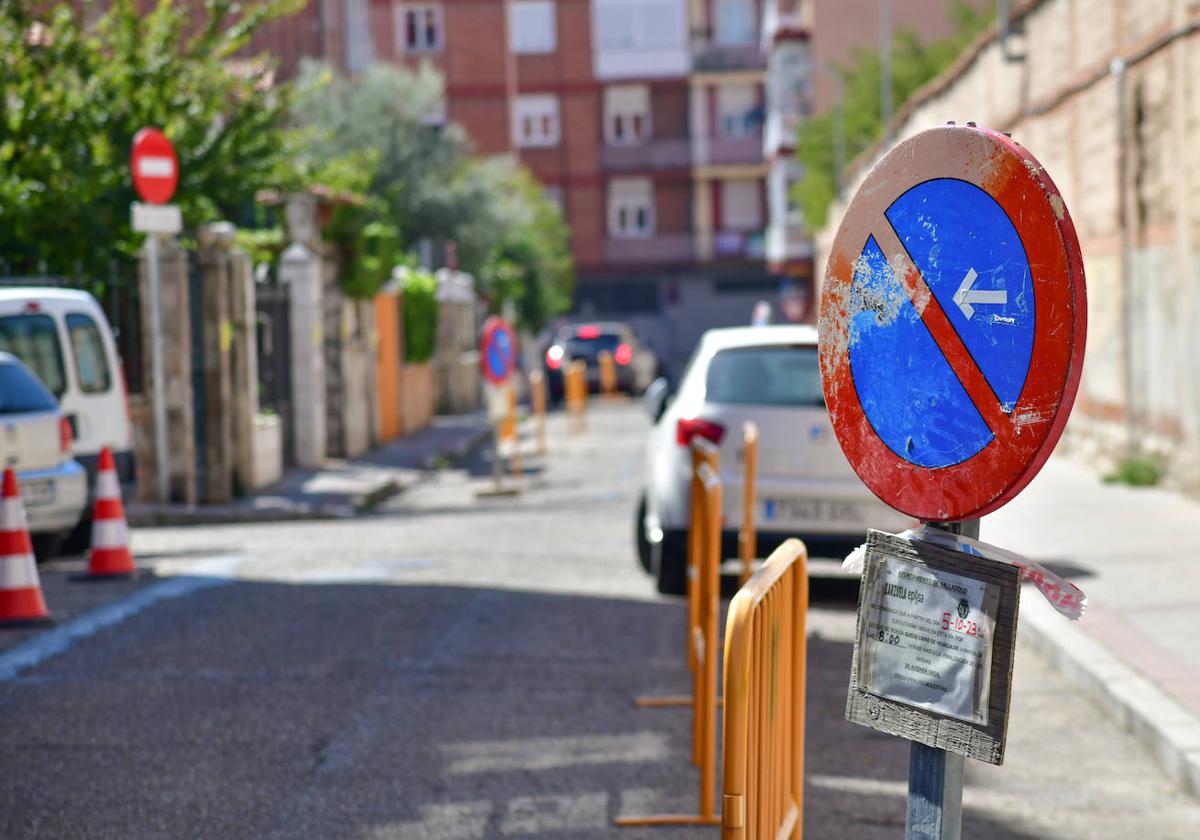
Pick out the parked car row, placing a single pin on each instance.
(62, 400)
(805, 487)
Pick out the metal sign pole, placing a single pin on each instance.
(159, 396)
(935, 777)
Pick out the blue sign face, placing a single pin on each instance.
(500, 354)
(970, 257)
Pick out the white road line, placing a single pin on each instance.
(215, 572)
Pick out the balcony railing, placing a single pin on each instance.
(739, 244)
(730, 151)
(708, 57)
(656, 154)
(660, 248)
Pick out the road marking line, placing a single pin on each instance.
(215, 572)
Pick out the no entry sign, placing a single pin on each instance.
(155, 167)
(952, 323)
(497, 350)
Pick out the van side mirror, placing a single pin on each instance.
(657, 398)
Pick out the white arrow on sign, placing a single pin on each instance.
(965, 296)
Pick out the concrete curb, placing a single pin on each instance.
(1169, 731)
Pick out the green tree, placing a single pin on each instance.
(914, 63)
(77, 82)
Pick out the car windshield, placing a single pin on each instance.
(593, 344)
(20, 392)
(34, 340)
(765, 376)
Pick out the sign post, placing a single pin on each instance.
(155, 176)
(952, 325)
(497, 357)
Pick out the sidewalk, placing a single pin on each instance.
(1135, 552)
(340, 489)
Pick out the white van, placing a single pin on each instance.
(64, 338)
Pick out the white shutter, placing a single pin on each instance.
(741, 205)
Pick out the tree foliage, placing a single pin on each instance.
(913, 64)
(420, 314)
(420, 179)
(78, 80)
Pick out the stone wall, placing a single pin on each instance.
(1107, 97)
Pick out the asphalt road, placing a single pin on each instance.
(456, 667)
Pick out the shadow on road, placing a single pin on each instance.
(378, 710)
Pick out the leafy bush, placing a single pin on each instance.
(1136, 471)
(420, 316)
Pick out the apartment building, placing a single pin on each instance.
(644, 119)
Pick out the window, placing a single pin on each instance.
(535, 120)
(421, 27)
(741, 205)
(34, 340)
(630, 208)
(735, 22)
(765, 376)
(531, 26)
(627, 114)
(639, 24)
(20, 392)
(358, 35)
(91, 362)
(738, 113)
(556, 196)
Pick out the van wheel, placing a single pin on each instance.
(46, 546)
(672, 565)
(79, 539)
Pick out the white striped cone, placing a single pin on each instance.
(110, 553)
(20, 589)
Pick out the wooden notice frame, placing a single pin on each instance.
(982, 742)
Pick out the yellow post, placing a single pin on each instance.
(608, 373)
(704, 708)
(514, 457)
(747, 539)
(575, 378)
(537, 396)
(762, 782)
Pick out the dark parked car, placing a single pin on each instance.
(637, 364)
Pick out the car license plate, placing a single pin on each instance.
(812, 510)
(38, 491)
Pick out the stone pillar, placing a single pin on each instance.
(177, 370)
(214, 261)
(301, 271)
(243, 313)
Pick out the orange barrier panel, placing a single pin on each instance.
(537, 396)
(747, 539)
(608, 373)
(575, 391)
(704, 641)
(703, 452)
(763, 769)
(388, 352)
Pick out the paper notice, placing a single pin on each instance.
(927, 638)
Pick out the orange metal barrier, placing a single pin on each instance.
(514, 428)
(608, 373)
(703, 643)
(575, 391)
(747, 540)
(763, 769)
(537, 396)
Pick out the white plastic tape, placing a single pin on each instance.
(1063, 595)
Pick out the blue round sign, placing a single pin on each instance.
(497, 350)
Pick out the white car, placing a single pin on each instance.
(35, 440)
(805, 486)
(64, 338)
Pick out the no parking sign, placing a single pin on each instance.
(952, 323)
(498, 351)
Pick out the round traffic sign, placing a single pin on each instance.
(952, 323)
(498, 351)
(155, 166)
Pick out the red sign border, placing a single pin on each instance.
(153, 190)
(491, 326)
(1023, 439)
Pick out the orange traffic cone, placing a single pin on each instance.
(110, 535)
(20, 590)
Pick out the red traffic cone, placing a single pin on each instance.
(110, 554)
(20, 590)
